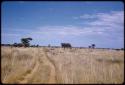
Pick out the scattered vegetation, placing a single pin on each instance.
(58, 65)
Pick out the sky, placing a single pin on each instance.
(80, 23)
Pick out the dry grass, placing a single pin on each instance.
(58, 65)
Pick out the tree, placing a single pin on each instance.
(89, 46)
(93, 45)
(25, 41)
(15, 44)
(66, 45)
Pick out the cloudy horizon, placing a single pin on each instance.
(81, 24)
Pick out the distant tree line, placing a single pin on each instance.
(20, 45)
(25, 42)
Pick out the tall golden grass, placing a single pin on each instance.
(58, 65)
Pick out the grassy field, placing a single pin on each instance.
(58, 65)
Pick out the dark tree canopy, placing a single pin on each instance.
(93, 45)
(89, 46)
(25, 41)
(66, 45)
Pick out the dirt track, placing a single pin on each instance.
(57, 65)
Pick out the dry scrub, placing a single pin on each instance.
(58, 65)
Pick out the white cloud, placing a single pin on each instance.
(109, 19)
(64, 31)
(105, 24)
(108, 26)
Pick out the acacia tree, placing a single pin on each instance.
(93, 45)
(25, 41)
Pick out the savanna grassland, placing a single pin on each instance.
(58, 65)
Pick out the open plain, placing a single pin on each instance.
(61, 66)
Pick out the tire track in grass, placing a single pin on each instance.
(58, 76)
(29, 73)
(53, 68)
(38, 62)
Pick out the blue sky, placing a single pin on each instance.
(80, 23)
